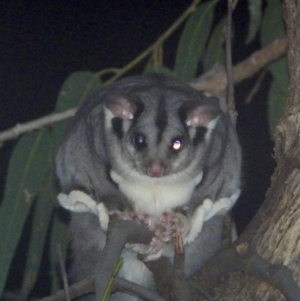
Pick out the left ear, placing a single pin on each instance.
(120, 106)
(202, 113)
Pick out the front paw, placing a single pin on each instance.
(170, 220)
(154, 250)
(189, 226)
(139, 217)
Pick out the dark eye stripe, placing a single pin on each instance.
(200, 135)
(161, 120)
(117, 125)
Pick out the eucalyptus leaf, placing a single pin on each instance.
(76, 89)
(27, 168)
(276, 104)
(193, 41)
(255, 12)
(42, 217)
(280, 72)
(272, 27)
(278, 92)
(59, 238)
(215, 52)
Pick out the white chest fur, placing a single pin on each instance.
(154, 196)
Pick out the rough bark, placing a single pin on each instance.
(275, 230)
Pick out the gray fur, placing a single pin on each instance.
(98, 156)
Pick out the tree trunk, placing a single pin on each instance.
(275, 230)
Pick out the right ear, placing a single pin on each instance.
(201, 113)
(120, 106)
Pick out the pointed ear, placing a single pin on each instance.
(201, 113)
(120, 106)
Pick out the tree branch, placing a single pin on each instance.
(291, 13)
(118, 234)
(36, 124)
(243, 257)
(217, 83)
(213, 83)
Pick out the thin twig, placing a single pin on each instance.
(256, 86)
(108, 71)
(230, 86)
(63, 272)
(39, 123)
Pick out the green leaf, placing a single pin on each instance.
(215, 52)
(278, 92)
(272, 25)
(273, 28)
(78, 87)
(280, 72)
(255, 12)
(193, 40)
(59, 236)
(276, 103)
(42, 216)
(27, 168)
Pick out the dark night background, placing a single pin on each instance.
(42, 42)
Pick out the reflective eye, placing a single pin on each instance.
(139, 140)
(176, 144)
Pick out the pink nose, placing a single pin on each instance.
(155, 170)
